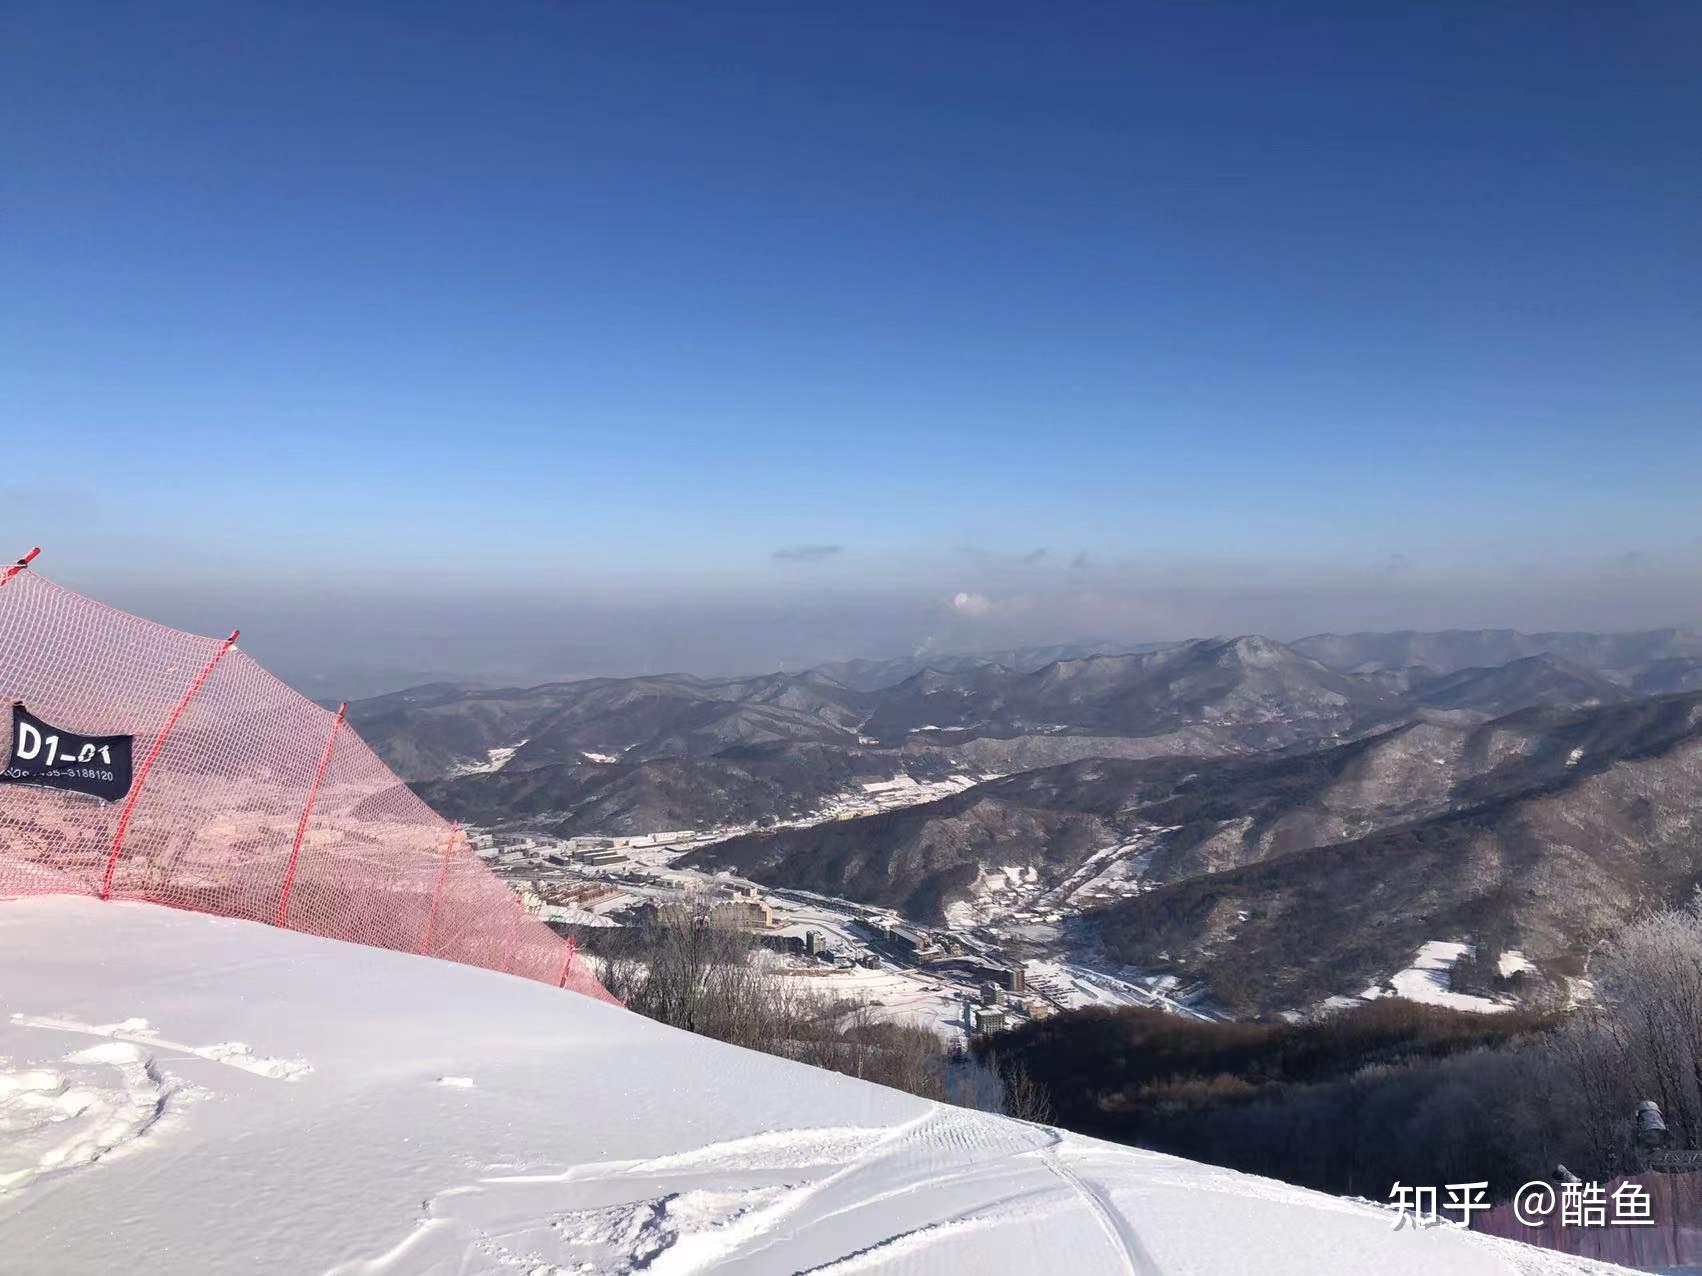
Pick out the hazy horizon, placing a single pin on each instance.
(341, 639)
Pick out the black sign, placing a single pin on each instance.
(55, 758)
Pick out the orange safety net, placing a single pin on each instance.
(248, 800)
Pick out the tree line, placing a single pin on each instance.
(1352, 1101)
(1346, 1102)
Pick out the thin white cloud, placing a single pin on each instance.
(807, 553)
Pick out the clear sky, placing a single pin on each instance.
(725, 334)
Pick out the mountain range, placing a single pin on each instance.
(1288, 821)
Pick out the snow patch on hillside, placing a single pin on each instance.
(1426, 980)
(495, 760)
(1512, 962)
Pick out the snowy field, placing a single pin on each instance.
(186, 1094)
(1010, 900)
(1071, 986)
(901, 996)
(1426, 980)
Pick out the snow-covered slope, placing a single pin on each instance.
(187, 1094)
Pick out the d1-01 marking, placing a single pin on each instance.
(52, 757)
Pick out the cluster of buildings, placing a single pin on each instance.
(941, 950)
(541, 869)
(569, 893)
(513, 850)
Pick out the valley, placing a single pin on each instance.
(1221, 826)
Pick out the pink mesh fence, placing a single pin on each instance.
(248, 800)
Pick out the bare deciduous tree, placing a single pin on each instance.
(686, 968)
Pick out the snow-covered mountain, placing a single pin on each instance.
(1653, 660)
(1533, 833)
(186, 1094)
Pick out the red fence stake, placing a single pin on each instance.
(148, 762)
(508, 939)
(19, 566)
(307, 814)
(244, 730)
(437, 897)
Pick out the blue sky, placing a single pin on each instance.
(608, 303)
